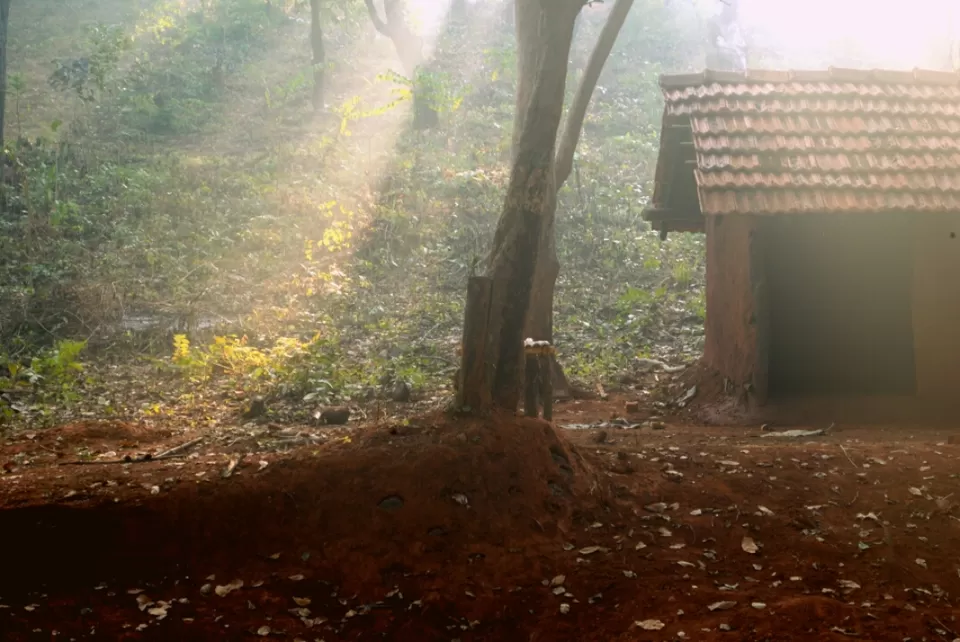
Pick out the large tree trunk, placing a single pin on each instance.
(4, 22)
(540, 322)
(319, 56)
(544, 34)
(409, 49)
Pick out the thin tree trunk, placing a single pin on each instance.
(319, 56)
(540, 322)
(409, 49)
(544, 33)
(4, 25)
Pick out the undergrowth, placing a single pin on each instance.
(173, 197)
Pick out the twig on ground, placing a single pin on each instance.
(171, 453)
(178, 449)
(945, 628)
(847, 455)
(125, 460)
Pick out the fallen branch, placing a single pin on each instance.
(172, 453)
(178, 449)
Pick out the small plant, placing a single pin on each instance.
(55, 373)
(232, 357)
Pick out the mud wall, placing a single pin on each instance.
(731, 346)
(936, 305)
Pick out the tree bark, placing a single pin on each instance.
(4, 24)
(319, 56)
(544, 34)
(409, 49)
(540, 322)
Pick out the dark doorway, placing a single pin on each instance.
(839, 296)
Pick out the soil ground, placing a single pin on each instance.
(501, 529)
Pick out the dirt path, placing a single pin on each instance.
(427, 530)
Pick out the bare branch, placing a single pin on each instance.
(588, 82)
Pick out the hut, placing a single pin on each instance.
(830, 201)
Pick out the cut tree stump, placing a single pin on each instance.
(538, 381)
(531, 385)
(473, 390)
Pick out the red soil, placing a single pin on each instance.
(443, 530)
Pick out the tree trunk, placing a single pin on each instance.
(544, 34)
(4, 22)
(409, 49)
(319, 56)
(540, 322)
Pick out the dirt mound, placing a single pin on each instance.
(494, 530)
(386, 502)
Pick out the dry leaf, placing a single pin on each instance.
(227, 589)
(558, 580)
(302, 601)
(749, 546)
(263, 631)
(564, 608)
(650, 625)
(722, 606)
(589, 550)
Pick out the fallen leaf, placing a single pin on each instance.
(921, 562)
(263, 631)
(589, 550)
(295, 578)
(302, 601)
(766, 511)
(558, 580)
(915, 491)
(564, 608)
(650, 625)
(263, 464)
(749, 546)
(722, 606)
(848, 585)
(226, 589)
(758, 605)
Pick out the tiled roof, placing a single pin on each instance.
(793, 142)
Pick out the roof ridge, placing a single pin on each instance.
(916, 76)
